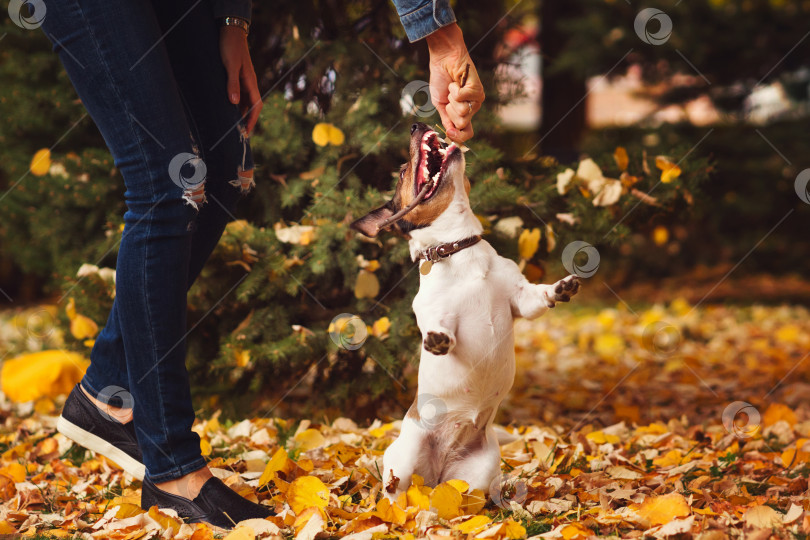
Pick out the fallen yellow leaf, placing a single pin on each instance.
(126, 510)
(15, 471)
(472, 525)
(663, 509)
(474, 502)
(380, 431)
(460, 485)
(574, 531)
(166, 522)
(306, 492)
(47, 373)
(446, 500)
(309, 439)
(241, 533)
(788, 334)
(418, 496)
(513, 529)
(777, 412)
(390, 513)
(794, 456)
(608, 346)
(275, 464)
(670, 459)
(762, 517)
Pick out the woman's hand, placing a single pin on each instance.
(243, 89)
(448, 64)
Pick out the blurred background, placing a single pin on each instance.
(657, 149)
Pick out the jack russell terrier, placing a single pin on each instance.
(468, 299)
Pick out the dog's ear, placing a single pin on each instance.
(369, 224)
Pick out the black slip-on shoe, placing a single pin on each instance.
(217, 504)
(83, 423)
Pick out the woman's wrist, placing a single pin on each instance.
(235, 31)
(236, 22)
(445, 41)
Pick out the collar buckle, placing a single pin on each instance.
(433, 254)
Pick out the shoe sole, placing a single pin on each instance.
(100, 446)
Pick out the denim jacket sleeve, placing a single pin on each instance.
(423, 17)
(231, 8)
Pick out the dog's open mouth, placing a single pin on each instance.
(434, 155)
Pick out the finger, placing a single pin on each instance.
(465, 134)
(470, 92)
(255, 109)
(461, 121)
(449, 126)
(233, 83)
(465, 108)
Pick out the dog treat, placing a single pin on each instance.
(399, 215)
(464, 77)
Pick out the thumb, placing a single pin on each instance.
(233, 84)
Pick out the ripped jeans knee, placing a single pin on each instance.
(189, 172)
(232, 161)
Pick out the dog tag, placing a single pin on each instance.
(424, 269)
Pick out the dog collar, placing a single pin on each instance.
(435, 254)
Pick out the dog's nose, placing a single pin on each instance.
(414, 127)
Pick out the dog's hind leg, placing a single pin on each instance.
(478, 463)
(410, 454)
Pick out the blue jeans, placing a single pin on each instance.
(151, 77)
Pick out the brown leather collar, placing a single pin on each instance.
(442, 251)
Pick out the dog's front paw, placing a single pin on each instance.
(563, 290)
(438, 343)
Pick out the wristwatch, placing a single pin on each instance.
(236, 21)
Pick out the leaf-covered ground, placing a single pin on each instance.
(668, 421)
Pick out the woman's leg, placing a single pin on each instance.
(116, 59)
(192, 46)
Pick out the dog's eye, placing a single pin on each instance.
(401, 174)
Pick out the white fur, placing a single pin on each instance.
(473, 297)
